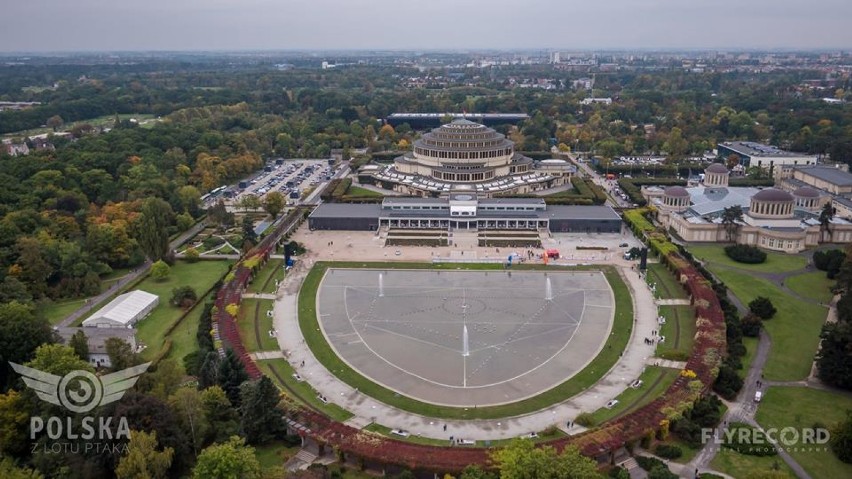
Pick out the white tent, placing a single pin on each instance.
(123, 311)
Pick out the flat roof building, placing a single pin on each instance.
(464, 211)
(124, 311)
(762, 156)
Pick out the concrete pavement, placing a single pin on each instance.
(629, 367)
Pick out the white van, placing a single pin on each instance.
(758, 396)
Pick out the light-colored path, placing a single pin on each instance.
(258, 296)
(673, 302)
(629, 367)
(261, 355)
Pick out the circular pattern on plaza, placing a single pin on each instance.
(465, 338)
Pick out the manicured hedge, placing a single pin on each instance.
(748, 254)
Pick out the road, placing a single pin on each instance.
(608, 185)
(130, 277)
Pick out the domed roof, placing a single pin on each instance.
(806, 192)
(773, 194)
(463, 135)
(716, 168)
(676, 192)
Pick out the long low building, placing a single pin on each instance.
(124, 311)
(465, 211)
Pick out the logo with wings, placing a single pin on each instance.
(80, 391)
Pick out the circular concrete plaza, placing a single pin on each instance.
(465, 338)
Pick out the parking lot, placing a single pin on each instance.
(290, 177)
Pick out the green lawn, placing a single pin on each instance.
(201, 276)
(253, 311)
(358, 191)
(775, 262)
(56, 312)
(800, 407)
(582, 380)
(814, 285)
(741, 466)
(656, 381)
(274, 454)
(794, 330)
(679, 331)
(667, 286)
(264, 282)
(183, 336)
(281, 373)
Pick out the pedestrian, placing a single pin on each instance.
(445, 427)
(303, 363)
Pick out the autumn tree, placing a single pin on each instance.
(230, 460)
(521, 459)
(143, 459)
(160, 270)
(274, 203)
(55, 122)
(121, 355)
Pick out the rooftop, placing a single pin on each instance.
(835, 176)
(124, 308)
(752, 149)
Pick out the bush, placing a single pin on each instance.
(728, 383)
(668, 451)
(585, 419)
(829, 261)
(649, 463)
(751, 325)
(183, 297)
(762, 308)
(160, 270)
(742, 253)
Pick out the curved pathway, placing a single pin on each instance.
(743, 408)
(367, 409)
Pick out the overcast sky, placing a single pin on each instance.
(112, 25)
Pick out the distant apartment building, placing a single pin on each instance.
(591, 101)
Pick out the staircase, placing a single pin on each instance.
(465, 240)
(633, 469)
(301, 461)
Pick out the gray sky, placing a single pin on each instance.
(63, 25)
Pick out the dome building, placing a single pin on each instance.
(676, 198)
(771, 203)
(716, 175)
(807, 198)
(772, 218)
(465, 153)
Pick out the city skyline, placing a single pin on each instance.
(268, 25)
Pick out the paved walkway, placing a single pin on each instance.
(261, 355)
(673, 302)
(366, 408)
(258, 295)
(665, 363)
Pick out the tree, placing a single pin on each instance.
(153, 228)
(121, 356)
(731, 218)
(190, 198)
(834, 359)
(8, 470)
(55, 122)
(751, 325)
(230, 375)
(220, 415)
(249, 236)
(230, 460)
(260, 418)
(762, 307)
(825, 217)
(189, 408)
(474, 471)
(14, 419)
(219, 215)
(841, 439)
(274, 203)
(249, 202)
(521, 459)
(21, 332)
(143, 460)
(80, 344)
(160, 270)
(184, 297)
